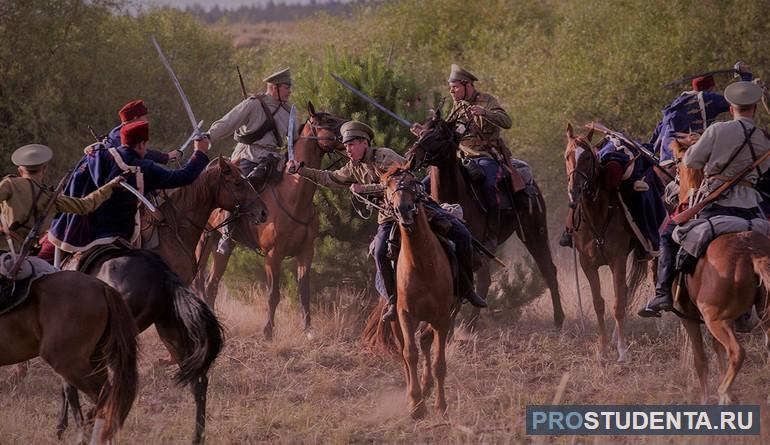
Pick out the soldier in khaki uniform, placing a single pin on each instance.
(478, 118)
(362, 175)
(259, 124)
(724, 150)
(23, 198)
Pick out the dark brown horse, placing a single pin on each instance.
(292, 223)
(731, 277)
(83, 329)
(425, 296)
(437, 147)
(188, 328)
(602, 236)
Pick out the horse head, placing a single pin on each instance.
(402, 194)
(234, 192)
(437, 144)
(324, 128)
(582, 163)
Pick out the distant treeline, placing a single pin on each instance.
(271, 12)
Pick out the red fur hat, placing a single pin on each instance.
(134, 132)
(703, 83)
(132, 110)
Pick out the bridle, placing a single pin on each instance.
(413, 186)
(586, 188)
(334, 128)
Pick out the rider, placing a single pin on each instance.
(724, 149)
(477, 119)
(134, 111)
(362, 175)
(23, 198)
(118, 217)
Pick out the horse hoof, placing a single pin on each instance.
(268, 333)
(310, 334)
(418, 412)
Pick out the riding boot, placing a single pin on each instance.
(466, 290)
(566, 238)
(225, 244)
(258, 176)
(663, 301)
(493, 226)
(390, 309)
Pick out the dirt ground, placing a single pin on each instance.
(329, 389)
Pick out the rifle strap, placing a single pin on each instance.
(746, 140)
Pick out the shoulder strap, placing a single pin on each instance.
(747, 134)
(270, 116)
(135, 169)
(32, 212)
(738, 150)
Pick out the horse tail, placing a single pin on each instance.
(762, 269)
(119, 352)
(634, 278)
(201, 332)
(382, 337)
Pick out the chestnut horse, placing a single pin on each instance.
(83, 329)
(292, 222)
(425, 296)
(437, 147)
(731, 277)
(188, 328)
(602, 236)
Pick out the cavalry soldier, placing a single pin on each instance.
(362, 175)
(259, 124)
(25, 197)
(724, 150)
(692, 112)
(117, 217)
(135, 111)
(477, 118)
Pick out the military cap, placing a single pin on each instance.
(133, 133)
(459, 74)
(354, 129)
(283, 76)
(743, 93)
(31, 155)
(132, 110)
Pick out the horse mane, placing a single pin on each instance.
(395, 170)
(193, 195)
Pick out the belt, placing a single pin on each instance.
(724, 178)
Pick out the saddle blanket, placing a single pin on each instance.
(694, 236)
(14, 293)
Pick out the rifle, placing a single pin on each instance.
(33, 234)
(240, 78)
(695, 209)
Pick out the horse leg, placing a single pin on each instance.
(722, 330)
(537, 245)
(410, 354)
(699, 356)
(218, 266)
(304, 260)
(592, 275)
(202, 253)
(70, 402)
(439, 369)
(426, 335)
(619, 308)
(273, 273)
(171, 338)
(722, 358)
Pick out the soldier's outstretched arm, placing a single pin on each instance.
(234, 118)
(90, 202)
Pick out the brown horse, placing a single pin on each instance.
(437, 147)
(731, 277)
(425, 296)
(187, 328)
(86, 335)
(602, 236)
(292, 224)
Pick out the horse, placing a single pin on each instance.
(425, 296)
(86, 334)
(437, 148)
(292, 224)
(188, 328)
(602, 236)
(732, 276)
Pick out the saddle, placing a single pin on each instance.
(514, 180)
(82, 261)
(15, 292)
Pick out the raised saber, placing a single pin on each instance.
(190, 139)
(185, 102)
(368, 99)
(139, 196)
(290, 132)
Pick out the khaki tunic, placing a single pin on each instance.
(713, 151)
(246, 117)
(476, 138)
(376, 162)
(17, 195)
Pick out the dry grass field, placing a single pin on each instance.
(329, 389)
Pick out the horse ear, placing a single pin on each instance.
(590, 134)
(570, 131)
(310, 108)
(223, 166)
